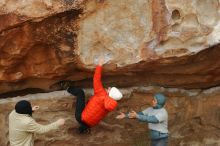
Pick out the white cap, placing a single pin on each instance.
(115, 94)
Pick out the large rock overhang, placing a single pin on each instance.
(144, 42)
(132, 31)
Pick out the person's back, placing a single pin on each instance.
(22, 126)
(18, 135)
(97, 107)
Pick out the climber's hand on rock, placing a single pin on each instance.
(101, 60)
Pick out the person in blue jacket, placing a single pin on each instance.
(157, 119)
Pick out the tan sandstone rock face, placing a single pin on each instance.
(126, 31)
(163, 42)
(193, 118)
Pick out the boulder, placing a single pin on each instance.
(145, 42)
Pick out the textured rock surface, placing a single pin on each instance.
(171, 43)
(43, 42)
(194, 118)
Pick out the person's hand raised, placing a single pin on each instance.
(101, 60)
(34, 108)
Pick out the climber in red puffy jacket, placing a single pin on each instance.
(102, 102)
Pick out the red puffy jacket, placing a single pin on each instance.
(99, 104)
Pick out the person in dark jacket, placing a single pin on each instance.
(157, 119)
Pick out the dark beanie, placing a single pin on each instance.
(24, 107)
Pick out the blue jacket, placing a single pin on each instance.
(156, 117)
(154, 134)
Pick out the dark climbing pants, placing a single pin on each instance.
(80, 105)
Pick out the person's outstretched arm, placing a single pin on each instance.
(97, 83)
(35, 127)
(144, 118)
